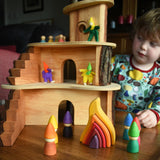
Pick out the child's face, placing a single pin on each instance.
(145, 51)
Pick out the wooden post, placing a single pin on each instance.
(109, 104)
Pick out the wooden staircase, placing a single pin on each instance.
(14, 120)
(25, 71)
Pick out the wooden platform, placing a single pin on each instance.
(42, 85)
(72, 44)
(85, 4)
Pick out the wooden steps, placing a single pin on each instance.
(14, 121)
(20, 63)
(11, 133)
(16, 72)
(26, 70)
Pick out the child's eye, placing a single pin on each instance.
(154, 44)
(140, 38)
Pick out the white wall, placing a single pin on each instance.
(52, 9)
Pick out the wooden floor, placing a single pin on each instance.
(29, 145)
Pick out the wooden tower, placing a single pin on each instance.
(80, 14)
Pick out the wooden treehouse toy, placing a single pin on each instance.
(33, 101)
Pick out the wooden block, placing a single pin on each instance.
(94, 143)
(28, 80)
(88, 135)
(86, 4)
(104, 129)
(19, 72)
(14, 103)
(9, 126)
(101, 134)
(109, 108)
(106, 132)
(8, 138)
(15, 72)
(96, 109)
(14, 94)
(13, 126)
(20, 64)
(26, 56)
(11, 80)
(102, 120)
(94, 132)
(28, 75)
(12, 129)
(11, 115)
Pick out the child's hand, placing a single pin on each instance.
(147, 118)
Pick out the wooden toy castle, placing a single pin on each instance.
(33, 101)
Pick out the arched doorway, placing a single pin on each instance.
(64, 106)
(69, 71)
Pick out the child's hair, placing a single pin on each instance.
(148, 25)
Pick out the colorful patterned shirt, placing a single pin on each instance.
(139, 89)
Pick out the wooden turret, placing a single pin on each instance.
(80, 14)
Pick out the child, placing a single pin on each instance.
(139, 73)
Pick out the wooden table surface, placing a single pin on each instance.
(29, 145)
